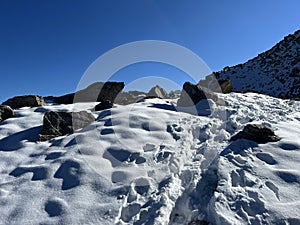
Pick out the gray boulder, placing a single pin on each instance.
(5, 112)
(221, 86)
(96, 92)
(256, 132)
(191, 94)
(23, 101)
(157, 92)
(61, 123)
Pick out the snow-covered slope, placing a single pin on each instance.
(275, 72)
(147, 163)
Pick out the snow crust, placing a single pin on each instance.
(152, 163)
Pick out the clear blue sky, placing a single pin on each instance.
(46, 45)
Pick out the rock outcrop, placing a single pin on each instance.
(129, 97)
(157, 92)
(23, 101)
(191, 94)
(5, 112)
(61, 123)
(256, 132)
(96, 92)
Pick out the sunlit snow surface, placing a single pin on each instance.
(147, 163)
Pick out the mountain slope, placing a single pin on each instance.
(147, 163)
(275, 72)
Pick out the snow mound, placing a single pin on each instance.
(150, 163)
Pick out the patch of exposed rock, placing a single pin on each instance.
(96, 92)
(256, 132)
(57, 124)
(191, 94)
(25, 101)
(5, 112)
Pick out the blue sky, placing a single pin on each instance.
(47, 45)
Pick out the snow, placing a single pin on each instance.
(153, 163)
(274, 72)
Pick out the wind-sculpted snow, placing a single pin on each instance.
(152, 163)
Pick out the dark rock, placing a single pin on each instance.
(5, 112)
(61, 123)
(96, 92)
(221, 86)
(192, 94)
(226, 86)
(64, 99)
(99, 92)
(157, 92)
(23, 101)
(103, 105)
(256, 132)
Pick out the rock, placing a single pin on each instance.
(64, 99)
(256, 132)
(191, 94)
(174, 94)
(157, 92)
(103, 105)
(5, 112)
(221, 86)
(96, 92)
(130, 97)
(23, 101)
(226, 86)
(61, 123)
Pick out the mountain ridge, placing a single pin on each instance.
(275, 72)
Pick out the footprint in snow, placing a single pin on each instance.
(55, 207)
(70, 172)
(273, 188)
(289, 146)
(288, 176)
(118, 156)
(267, 158)
(39, 173)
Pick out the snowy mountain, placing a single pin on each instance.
(151, 163)
(275, 72)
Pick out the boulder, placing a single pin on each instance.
(23, 101)
(103, 105)
(99, 92)
(96, 92)
(64, 99)
(191, 94)
(256, 132)
(157, 92)
(5, 112)
(221, 86)
(226, 86)
(61, 123)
